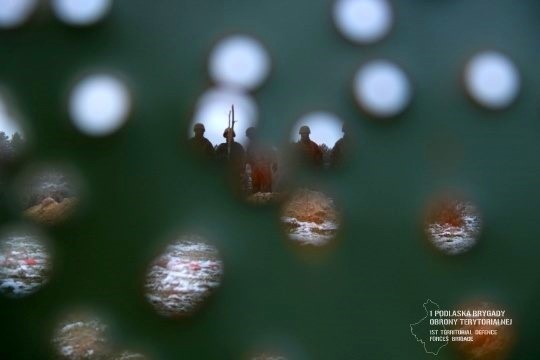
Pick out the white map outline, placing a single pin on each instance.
(419, 321)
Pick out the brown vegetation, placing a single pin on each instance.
(126, 355)
(261, 198)
(49, 211)
(447, 212)
(311, 206)
(486, 347)
(82, 340)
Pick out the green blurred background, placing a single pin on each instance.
(354, 301)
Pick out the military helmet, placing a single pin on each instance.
(198, 126)
(304, 130)
(250, 132)
(226, 132)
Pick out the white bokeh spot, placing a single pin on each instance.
(15, 12)
(81, 12)
(363, 21)
(212, 110)
(382, 88)
(326, 128)
(8, 124)
(239, 61)
(99, 105)
(492, 80)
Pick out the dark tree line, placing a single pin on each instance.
(10, 147)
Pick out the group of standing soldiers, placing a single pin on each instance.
(257, 164)
(311, 153)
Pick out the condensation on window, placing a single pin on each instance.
(100, 104)
(182, 278)
(310, 218)
(25, 261)
(49, 193)
(452, 224)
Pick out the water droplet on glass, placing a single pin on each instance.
(453, 225)
(239, 61)
(14, 13)
(81, 336)
(363, 21)
(310, 218)
(49, 194)
(81, 12)
(99, 104)
(181, 279)
(492, 80)
(382, 89)
(25, 262)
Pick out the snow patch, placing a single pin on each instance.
(183, 277)
(24, 265)
(310, 233)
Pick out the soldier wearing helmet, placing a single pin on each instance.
(251, 133)
(200, 145)
(308, 150)
(230, 151)
(232, 156)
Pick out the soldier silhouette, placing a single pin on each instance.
(339, 148)
(199, 144)
(230, 151)
(232, 156)
(309, 151)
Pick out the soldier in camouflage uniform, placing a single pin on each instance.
(309, 151)
(199, 144)
(232, 156)
(236, 157)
